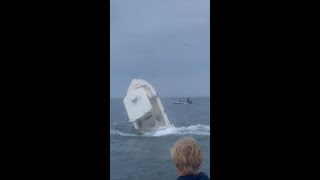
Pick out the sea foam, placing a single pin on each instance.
(202, 130)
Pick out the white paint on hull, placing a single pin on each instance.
(144, 106)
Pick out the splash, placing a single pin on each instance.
(199, 129)
(121, 133)
(202, 130)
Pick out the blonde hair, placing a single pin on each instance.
(187, 155)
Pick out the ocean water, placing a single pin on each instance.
(137, 156)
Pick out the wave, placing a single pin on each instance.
(202, 130)
(121, 133)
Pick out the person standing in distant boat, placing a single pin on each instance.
(188, 100)
(187, 156)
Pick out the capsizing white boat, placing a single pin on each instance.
(144, 106)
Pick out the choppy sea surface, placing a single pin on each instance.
(138, 156)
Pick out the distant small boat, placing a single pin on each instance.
(182, 102)
(189, 101)
(178, 102)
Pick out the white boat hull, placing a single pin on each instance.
(144, 106)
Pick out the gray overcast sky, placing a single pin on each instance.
(166, 42)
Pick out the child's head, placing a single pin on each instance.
(187, 155)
